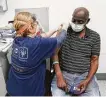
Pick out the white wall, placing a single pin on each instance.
(61, 11)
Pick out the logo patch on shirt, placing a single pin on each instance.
(15, 52)
(23, 53)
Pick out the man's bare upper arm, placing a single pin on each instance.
(94, 58)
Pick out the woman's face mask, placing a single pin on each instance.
(77, 27)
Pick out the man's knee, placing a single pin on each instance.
(57, 92)
(92, 89)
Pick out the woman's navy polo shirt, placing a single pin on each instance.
(27, 72)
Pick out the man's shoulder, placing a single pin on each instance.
(93, 33)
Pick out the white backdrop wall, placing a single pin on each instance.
(61, 11)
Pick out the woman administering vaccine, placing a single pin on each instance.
(27, 72)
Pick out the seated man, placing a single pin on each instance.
(78, 59)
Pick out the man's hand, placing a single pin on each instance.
(61, 83)
(83, 85)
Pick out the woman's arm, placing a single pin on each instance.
(54, 32)
(48, 34)
(42, 33)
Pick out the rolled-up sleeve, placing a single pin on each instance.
(61, 37)
(96, 46)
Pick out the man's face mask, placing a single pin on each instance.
(77, 27)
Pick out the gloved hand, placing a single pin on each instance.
(65, 26)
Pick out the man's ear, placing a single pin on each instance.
(88, 21)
